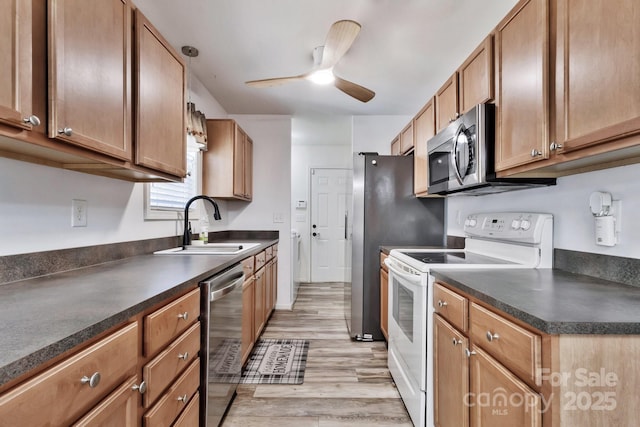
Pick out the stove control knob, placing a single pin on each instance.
(466, 222)
(526, 224)
(473, 222)
(515, 224)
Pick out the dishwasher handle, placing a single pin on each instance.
(219, 293)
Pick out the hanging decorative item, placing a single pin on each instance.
(196, 121)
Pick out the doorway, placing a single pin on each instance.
(331, 195)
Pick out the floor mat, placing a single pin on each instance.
(276, 361)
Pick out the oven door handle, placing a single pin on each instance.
(414, 278)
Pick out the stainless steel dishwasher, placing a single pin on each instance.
(221, 340)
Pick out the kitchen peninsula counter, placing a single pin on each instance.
(46, 316)
(551, 300)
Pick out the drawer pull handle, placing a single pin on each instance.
(468, 352)
(491, 337)
(93, 381)
(182, 398)
(142, 388)
(184, 356)
(442, 303)
(456, 341)
(184, 315)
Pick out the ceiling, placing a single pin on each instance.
(405, 50)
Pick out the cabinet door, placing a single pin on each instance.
(238, 162)
(423, 129)
(384, 303)
(451, 375)
(248, 168)
(16, 66)
(160, 102)
(90, 75)
(120, 408)
(248, 338)
(476, 76)
(395, 146)
(258, 319)
(597, 71)
(406, 139)
(447, 103)
(498, 398)
(522, 86)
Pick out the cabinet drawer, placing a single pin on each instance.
(451, 306)
(162, 370)
(248, 266)
(268, 253)
(191, 415)
(58, 396)
(275, 251)
(175, 399)
(516, 348)
(261, 260)
(164, 325)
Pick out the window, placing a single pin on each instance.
(166, 200)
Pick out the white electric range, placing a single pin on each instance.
(492, 240)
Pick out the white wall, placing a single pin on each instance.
(375, 133)
(317, 142)
(568, 201)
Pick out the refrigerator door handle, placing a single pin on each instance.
(345, 224)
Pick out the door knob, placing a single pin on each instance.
(313, 226)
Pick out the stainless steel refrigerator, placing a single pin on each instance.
(385, 212)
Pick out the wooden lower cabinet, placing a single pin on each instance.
(384, 297)
(451, 378)
(514, 375)
(110, 382)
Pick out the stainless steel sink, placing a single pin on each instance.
(210, 249)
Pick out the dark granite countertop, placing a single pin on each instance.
(46, 316)
(552, 300)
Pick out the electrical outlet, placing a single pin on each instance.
(79, 213)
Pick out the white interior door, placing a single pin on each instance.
(331, 192)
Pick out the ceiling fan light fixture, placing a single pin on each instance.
(322, 77)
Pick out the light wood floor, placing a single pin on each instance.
(346, 383)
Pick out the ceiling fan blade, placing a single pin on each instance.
(339, 39)
(358, 92)
(274, 81)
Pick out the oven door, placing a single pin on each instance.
(408, 321)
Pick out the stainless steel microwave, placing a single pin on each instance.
(461, 158)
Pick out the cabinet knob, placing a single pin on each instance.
(93, 381)
(442, 303)
(33, 120)
(142, 388)
(555, 146)
(66, 131)
(184, 356)
(468, 352)
(535, 152)
(184, 315)
(182, 398)
(456, 341)
(491, 337)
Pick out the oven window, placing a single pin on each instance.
(403, 309)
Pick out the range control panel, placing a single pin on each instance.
(525, 227)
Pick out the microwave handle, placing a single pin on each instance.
(454, 155)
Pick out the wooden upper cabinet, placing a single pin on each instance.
(90, 75)
(406, 139)
(16, 64)
(476, 76)
(228, 163)
(160, 102)
(423, 129)
(447, 103)
(522, 85)
(597, 72)
(395, 146)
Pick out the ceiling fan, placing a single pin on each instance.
(339, 39)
